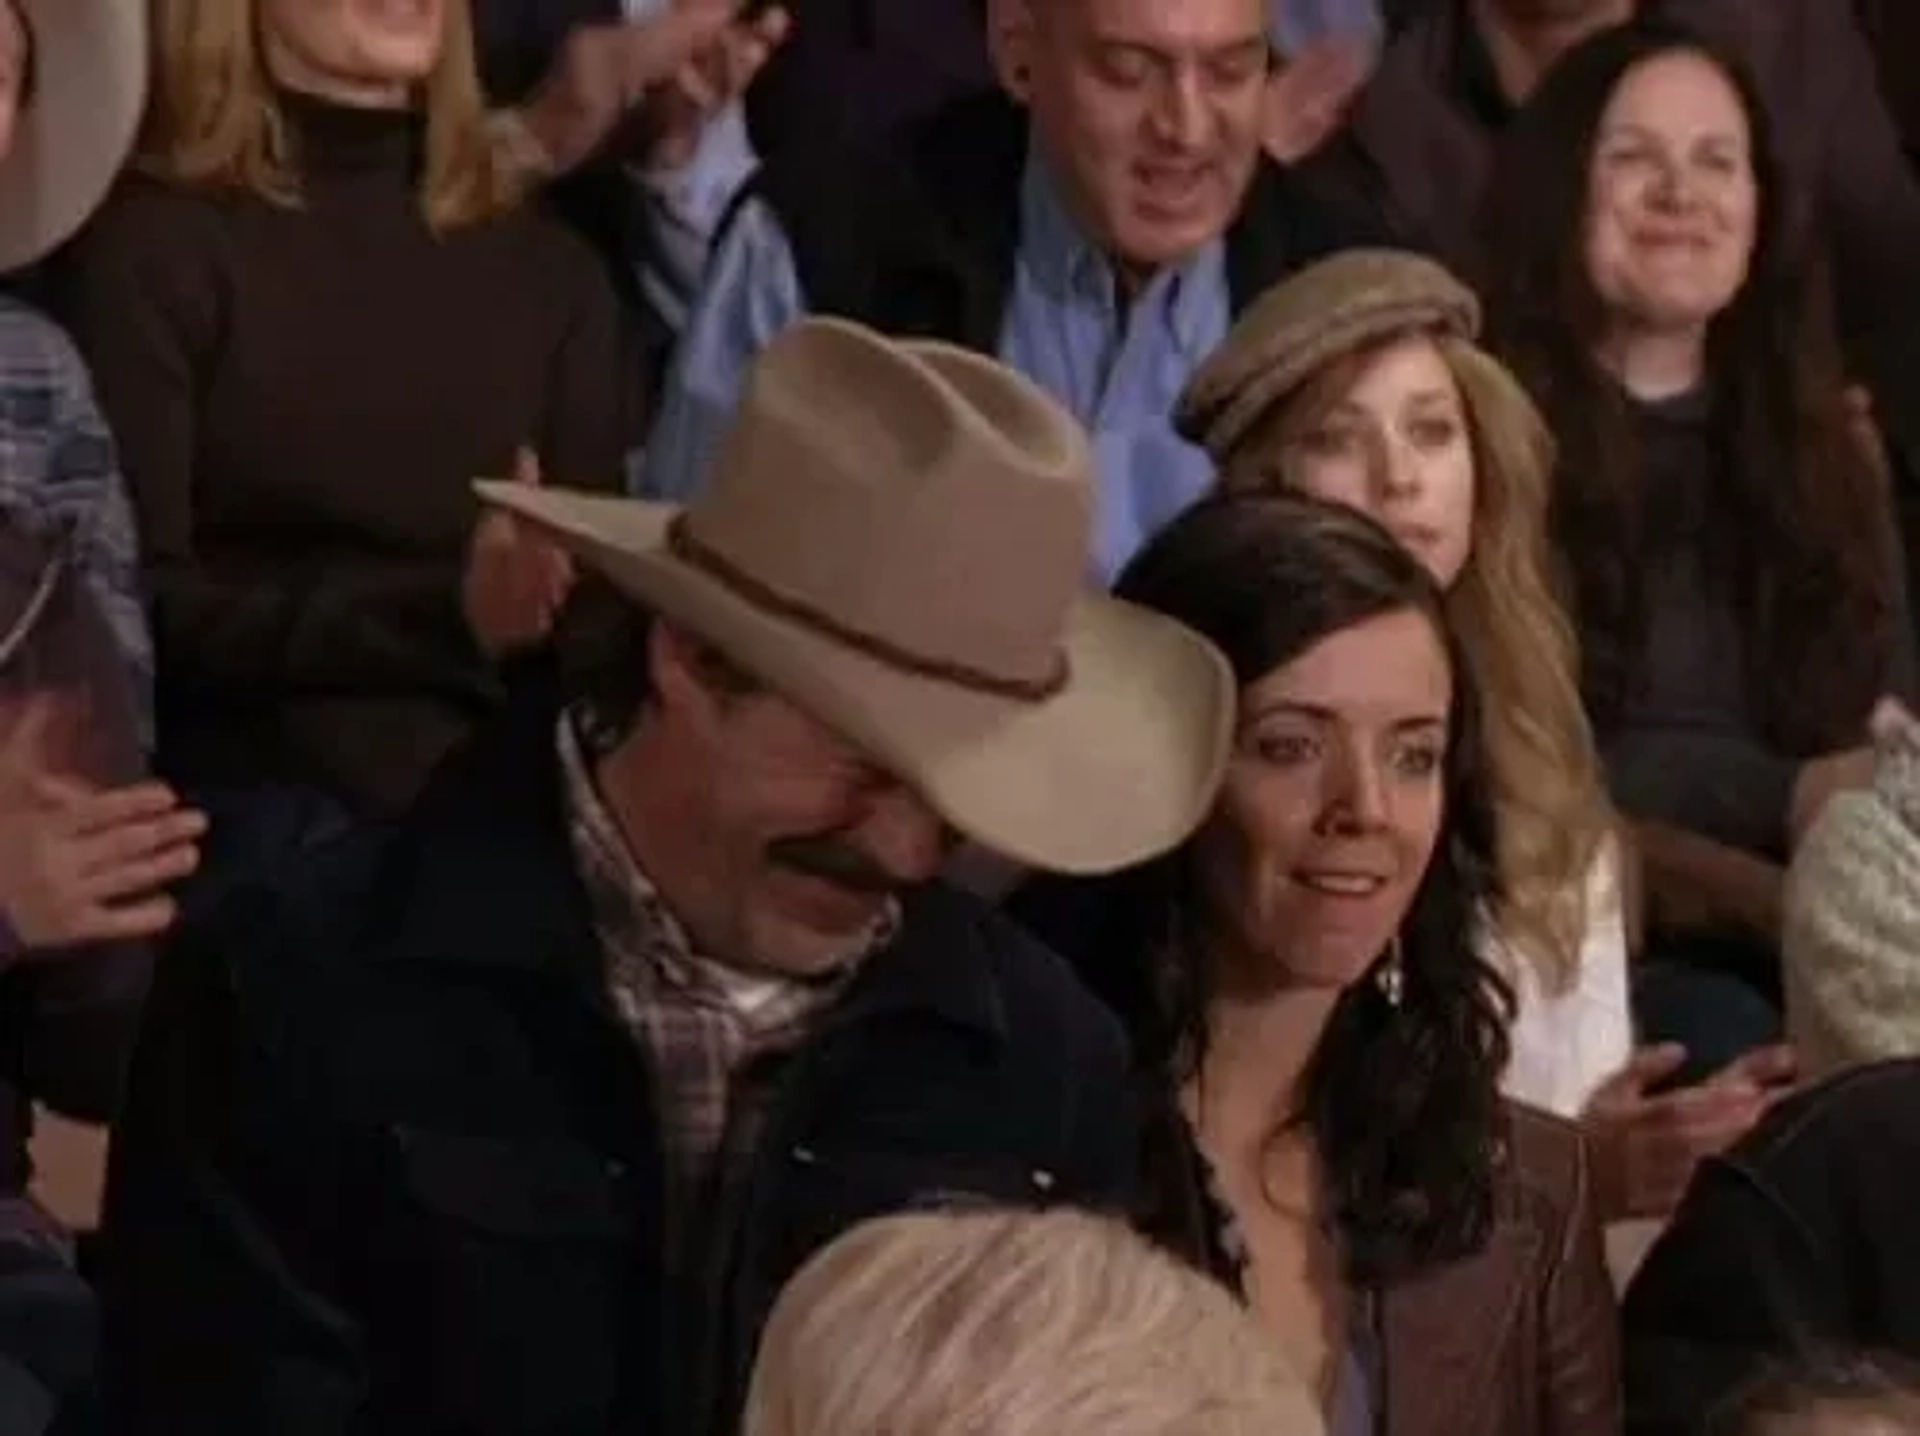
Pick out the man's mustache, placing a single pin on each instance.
(833, 862)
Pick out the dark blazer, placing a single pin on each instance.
(390, 1162)
(1799, 1242)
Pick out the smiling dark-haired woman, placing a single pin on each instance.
(1728, 535)
(1313, 1018)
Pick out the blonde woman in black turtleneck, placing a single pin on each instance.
(316, 311)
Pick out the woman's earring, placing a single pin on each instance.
(1390, 976)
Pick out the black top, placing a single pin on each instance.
(1687, 747)
(303, 394)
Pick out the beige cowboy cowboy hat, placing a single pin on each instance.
(894, 536)
(89, 69)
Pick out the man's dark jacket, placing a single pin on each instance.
(398, 1172)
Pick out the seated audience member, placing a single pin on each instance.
(314, 314)
(1734, 578)
(1829, 1397)
(1314, 1017)
(1425, 130)
(1013, 1324)
(1797, 1243)
(1359, 381)
(657, 996)
(1852, 918)
(1096, 226)
(86, 849)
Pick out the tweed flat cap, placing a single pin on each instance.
(1326, 310)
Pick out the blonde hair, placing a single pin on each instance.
(213, 121)
(1554, 818)
(1014, 1324)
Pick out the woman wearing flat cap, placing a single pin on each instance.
(1360, 380)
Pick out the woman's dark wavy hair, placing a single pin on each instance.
(1401, 1102)
(1802, 528)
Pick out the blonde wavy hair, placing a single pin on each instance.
(1014, 1324)
(1554, 815)
(212, 119)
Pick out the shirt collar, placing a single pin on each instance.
(1067, 263)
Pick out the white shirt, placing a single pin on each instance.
(1565, 1044)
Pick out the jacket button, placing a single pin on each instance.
(805, 1156)
(1042, 1179)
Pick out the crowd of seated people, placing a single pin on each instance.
(546, 546)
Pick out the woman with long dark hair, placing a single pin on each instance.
(1726, 533)
(1312, 1013)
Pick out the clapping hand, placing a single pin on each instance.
(516, 580)
(80, 863)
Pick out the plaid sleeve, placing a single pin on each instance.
(59, 469)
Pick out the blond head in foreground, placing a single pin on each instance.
(1014, 1324)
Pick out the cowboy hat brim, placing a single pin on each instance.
(90, 64)
(1118, 767)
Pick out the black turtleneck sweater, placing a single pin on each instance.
(303, 395)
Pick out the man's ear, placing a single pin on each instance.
(1010, 42)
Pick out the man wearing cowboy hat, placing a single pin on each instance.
(655, 995)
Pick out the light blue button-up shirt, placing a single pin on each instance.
(1118, 367)
(686, 205)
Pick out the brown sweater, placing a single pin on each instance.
(303, 396)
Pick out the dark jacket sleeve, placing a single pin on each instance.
(228, 1234)
(1733, 1282)
(146, 307)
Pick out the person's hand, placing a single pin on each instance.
(1820, 779)
(677, 112)
(516, 581)
(1770, 1071)
(81, 864)
(1308, 96)
(1646, 1146)
(606, 69)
